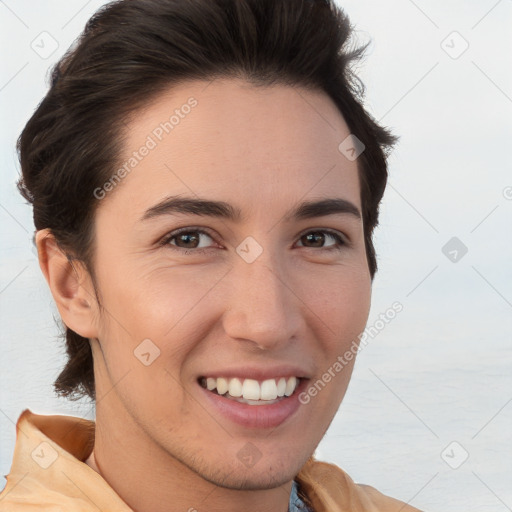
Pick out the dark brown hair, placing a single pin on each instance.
(132, 50)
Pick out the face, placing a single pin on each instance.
(248, 286)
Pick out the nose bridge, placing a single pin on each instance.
(262, 308)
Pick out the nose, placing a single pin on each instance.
(263, 308)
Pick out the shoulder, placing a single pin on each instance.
(329, 488)
(48, 472)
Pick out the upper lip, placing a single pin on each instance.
(260, 374)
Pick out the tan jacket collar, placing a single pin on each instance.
(48, 469)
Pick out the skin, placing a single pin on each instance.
(159, 444)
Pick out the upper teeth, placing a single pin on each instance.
(251, 389)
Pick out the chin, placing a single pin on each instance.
(260, 476)
(252, 480)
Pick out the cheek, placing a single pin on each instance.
(343, 309)
(169, 306)
(156, 296)
(343, 304)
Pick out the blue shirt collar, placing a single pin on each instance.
(296, 504)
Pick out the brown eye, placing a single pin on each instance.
(188, 239)
(318, 238)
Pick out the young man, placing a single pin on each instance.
(205, 185)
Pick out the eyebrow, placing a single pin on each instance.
(220, 209)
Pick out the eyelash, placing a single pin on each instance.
(341, 242)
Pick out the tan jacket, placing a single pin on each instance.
(48, 473)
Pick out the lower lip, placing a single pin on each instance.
(256, 416)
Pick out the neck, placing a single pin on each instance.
(91, 462)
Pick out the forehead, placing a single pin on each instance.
(232, 140)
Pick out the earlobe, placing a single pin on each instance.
(70, 285)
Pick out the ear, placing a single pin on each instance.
(70, 285)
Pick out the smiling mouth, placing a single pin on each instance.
(250, 391)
